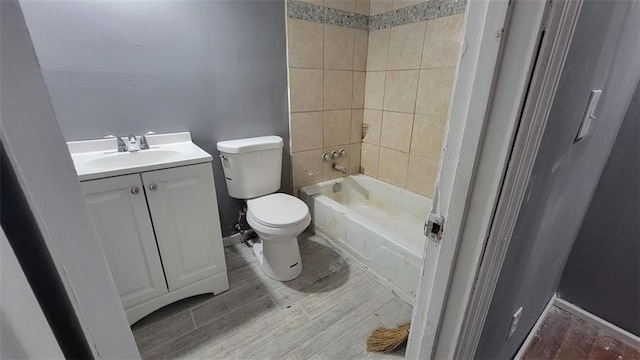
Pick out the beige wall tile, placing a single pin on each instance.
(434, 91)
(338, 47)
(337, 125)
(304, 41)
(378, 49)
(355, 151)
(442, 42)
(392, 166)
(362, 7)
(338, 89)
(359, 78)
(380, 6)
(306, 131)
(399, 4)
(357, 117)
(400, 90)
(374, 89)
(427, 136)
(306, 89)
(328, 172)
(405, 46)
(372, 124)
(306, 167)
(369, 159)
(421, 177)
(361, 40)
(344, 5)
(396, 131)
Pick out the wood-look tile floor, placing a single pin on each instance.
(564, 336)
(325, 313)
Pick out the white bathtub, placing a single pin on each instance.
(375, 223)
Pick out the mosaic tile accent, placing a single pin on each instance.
(310, 12)
(429, 10)
(425, 11)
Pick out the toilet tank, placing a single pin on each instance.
(252, 166)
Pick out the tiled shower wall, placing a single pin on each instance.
(327, 66)
(383, 66)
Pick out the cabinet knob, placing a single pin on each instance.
(135, 190)
(153, 187)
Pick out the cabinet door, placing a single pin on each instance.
(184, 210)
(121, 218)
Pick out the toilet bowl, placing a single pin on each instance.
(278, 219)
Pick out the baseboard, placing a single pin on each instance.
(536, 326)
(596, 321)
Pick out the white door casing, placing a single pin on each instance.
(497, 55)
(184, 211)
(120, 215)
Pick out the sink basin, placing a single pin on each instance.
(98, 158)
(129, 159)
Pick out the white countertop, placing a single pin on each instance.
(99, 158)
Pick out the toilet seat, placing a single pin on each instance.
(278, 211)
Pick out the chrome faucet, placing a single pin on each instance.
(133, 144)
(340, 168)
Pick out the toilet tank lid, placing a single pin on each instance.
(240, 146)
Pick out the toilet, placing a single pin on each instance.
(252, 169)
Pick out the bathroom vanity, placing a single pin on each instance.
(155, 212)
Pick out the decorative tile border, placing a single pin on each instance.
(430, 10)
(320, 14)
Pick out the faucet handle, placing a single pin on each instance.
(144, 145)
(122, 145)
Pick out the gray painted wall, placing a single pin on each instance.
(602, 274)
(565, 174)
(37, 152)
(215, 68)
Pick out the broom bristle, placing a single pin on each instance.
(388, 339)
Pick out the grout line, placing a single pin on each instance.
(415, 105)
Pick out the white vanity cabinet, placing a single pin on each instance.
(121, 217)
(182, 203)
(160, 232)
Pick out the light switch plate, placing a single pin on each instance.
(589, 115)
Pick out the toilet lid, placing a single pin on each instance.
(278, 210)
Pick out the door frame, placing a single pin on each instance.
(501, 43)
(559, 28)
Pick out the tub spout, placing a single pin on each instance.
(340, 168)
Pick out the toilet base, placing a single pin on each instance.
(280, 259)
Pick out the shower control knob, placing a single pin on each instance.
(153, 187)
(343, 152)
(326, 156)
(335, 154)
(135, 190)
